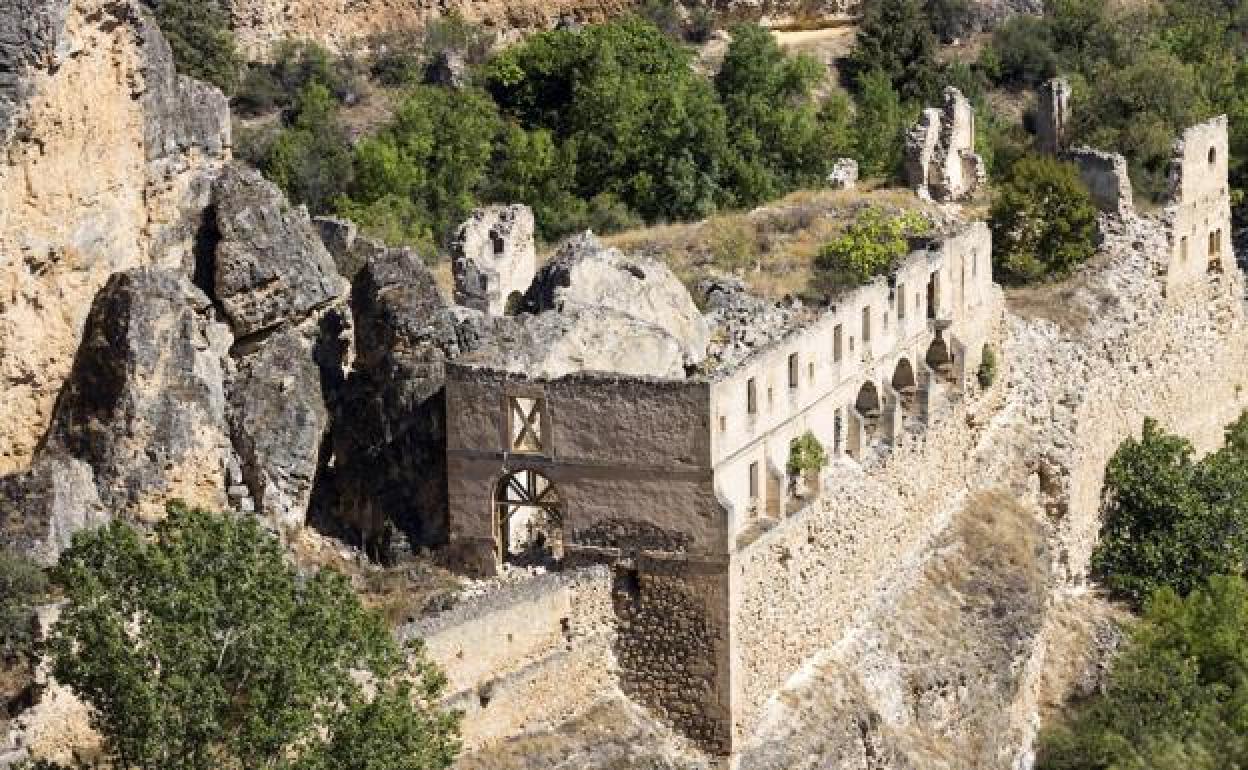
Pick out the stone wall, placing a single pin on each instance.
(798, 587)
(106, 158)
(672, 644)
(1105, 175)
(946, 289)
(526, 656)
(617, 449)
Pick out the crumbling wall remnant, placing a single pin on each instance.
(1105, 175)
(940, 158)
(493, 257)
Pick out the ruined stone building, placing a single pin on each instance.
(664, 478)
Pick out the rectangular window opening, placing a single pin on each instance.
(836, 344)
(751, 397)
(793, 370)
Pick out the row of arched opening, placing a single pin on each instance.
(869, 404)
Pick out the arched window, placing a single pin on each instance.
(905, 385)
(529, 520)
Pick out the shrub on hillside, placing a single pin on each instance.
(201, 647)
(880, 127)
(203, 44)
(296, 65)
(311, 158)
(21, 585)
(1171, 521)
(1043, 221)
(1176, 696)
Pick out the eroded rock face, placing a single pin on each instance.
(107, 161)
(391, 441)
(271, 266)
(493, 257)
(585, 275)
(141, 419)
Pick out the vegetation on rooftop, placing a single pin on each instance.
(871, 246)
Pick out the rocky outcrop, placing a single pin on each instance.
(270, 266)
(940, 159)
(391, 448)
(281, 292)
(493, 256)
(107, 161)
(141, 419)
(580, 338)
(584, 275)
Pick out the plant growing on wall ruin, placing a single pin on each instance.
(870, 246)
(806, 455)
(987, 373)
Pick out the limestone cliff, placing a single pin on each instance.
(261, 23)
(106, 156)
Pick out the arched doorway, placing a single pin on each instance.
(868, 407)
(906, 386)
(939, 360)
(529, 520)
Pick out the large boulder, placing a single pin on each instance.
(142, 417)
(271, 266)
(584, 275)
(390, 437)
(581, 339)
(493, 257)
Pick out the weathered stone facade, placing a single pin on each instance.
(1105, 175)
(493, 257)
(668, 481)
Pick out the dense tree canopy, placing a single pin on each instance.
(202, 648)
(1171, 520)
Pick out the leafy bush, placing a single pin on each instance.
(1169, 520)
(870, 246)
(987, 373)
(203, 44)
(1176, 696)
(402, 55)
(1022, 52)
(806, 455)
(1043, 221)
(21, 585)
(311, 159)
(202, 648)
(950, 19)
(295, 66)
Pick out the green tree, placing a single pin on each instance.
(645, 127)
(879, 127)
(782, 138)
(199, 34)
(870, 246)
(1043, 221)
(1177, 698)
(21, 585)
(895, 37)
(201, 647)
(1170, 521)
(435, 154)
(311, 159)
(806, 455)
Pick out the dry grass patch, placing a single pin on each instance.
(772, 248)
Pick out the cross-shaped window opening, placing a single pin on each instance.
(527, 416)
